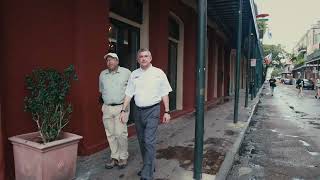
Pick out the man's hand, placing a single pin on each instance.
(166, 118)
(122, 117)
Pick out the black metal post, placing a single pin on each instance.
(237, 75)
(251, 69)
(248, 64)
(254, 78)
(199, 126)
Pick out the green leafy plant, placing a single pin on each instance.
(299, 59)
(46, 100)
(262, 27)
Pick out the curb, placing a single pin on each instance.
(229, 158)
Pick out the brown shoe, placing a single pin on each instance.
(122, 163)
(112, 163)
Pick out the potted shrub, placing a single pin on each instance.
(48, 153)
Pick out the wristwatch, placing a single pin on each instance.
(122, 110)
(168, 112)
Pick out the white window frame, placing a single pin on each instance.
(180, 42)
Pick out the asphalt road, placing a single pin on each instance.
(283, 140)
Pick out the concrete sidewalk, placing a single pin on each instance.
(175, 146)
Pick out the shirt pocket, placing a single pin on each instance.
(123, 84)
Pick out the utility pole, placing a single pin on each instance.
(199, 126)
(237, 74)
(248, 64)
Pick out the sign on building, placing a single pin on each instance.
(253, 62)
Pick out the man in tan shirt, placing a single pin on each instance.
(112, 85)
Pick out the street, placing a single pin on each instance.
(283, 138)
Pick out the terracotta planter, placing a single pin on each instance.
(51, 161)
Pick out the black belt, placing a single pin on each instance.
(114, 104)
(148, 107)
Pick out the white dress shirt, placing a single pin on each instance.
(148, 86)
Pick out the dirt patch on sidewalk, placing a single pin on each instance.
(213, 155)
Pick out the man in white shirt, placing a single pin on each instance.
(149, 85)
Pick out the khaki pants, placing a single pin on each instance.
(117, 132)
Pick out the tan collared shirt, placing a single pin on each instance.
(112, 85)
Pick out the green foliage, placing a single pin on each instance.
(46, 100)
(276, 72)
(262, 27)
(298, 60)
(278, 53)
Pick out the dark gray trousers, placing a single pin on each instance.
(146, 122)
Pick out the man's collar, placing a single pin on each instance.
(147, 68)
(116, 71)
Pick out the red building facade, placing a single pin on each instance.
(40, 34)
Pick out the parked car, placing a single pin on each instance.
(308, 84)
(278, 78)
(287, 81)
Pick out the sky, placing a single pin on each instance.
(289, 20)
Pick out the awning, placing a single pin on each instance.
(226, 12)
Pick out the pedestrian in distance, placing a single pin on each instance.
(299, 85)
(272, 82)
(112, 85)
(317, 96)
(149, 86)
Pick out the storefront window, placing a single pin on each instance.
(173, 58)
(130, 9)
(124, 40)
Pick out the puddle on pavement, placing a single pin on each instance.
(214, 141)
(308, 118)
(315, 124)
(212, 159)
(313, 166)
(291, 136)
(304, 143)
(183, 154)
(313, 153)
(273, 130)
(301, 113)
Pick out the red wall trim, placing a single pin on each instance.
(2, 140)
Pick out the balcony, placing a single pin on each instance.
(302, 49)
(313, 57)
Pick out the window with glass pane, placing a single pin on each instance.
(173, 28)
(130, 9)
(125, 41)
(172, 61)
(172, 73)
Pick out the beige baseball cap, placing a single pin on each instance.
(114, 55)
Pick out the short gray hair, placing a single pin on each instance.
(143, 50)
